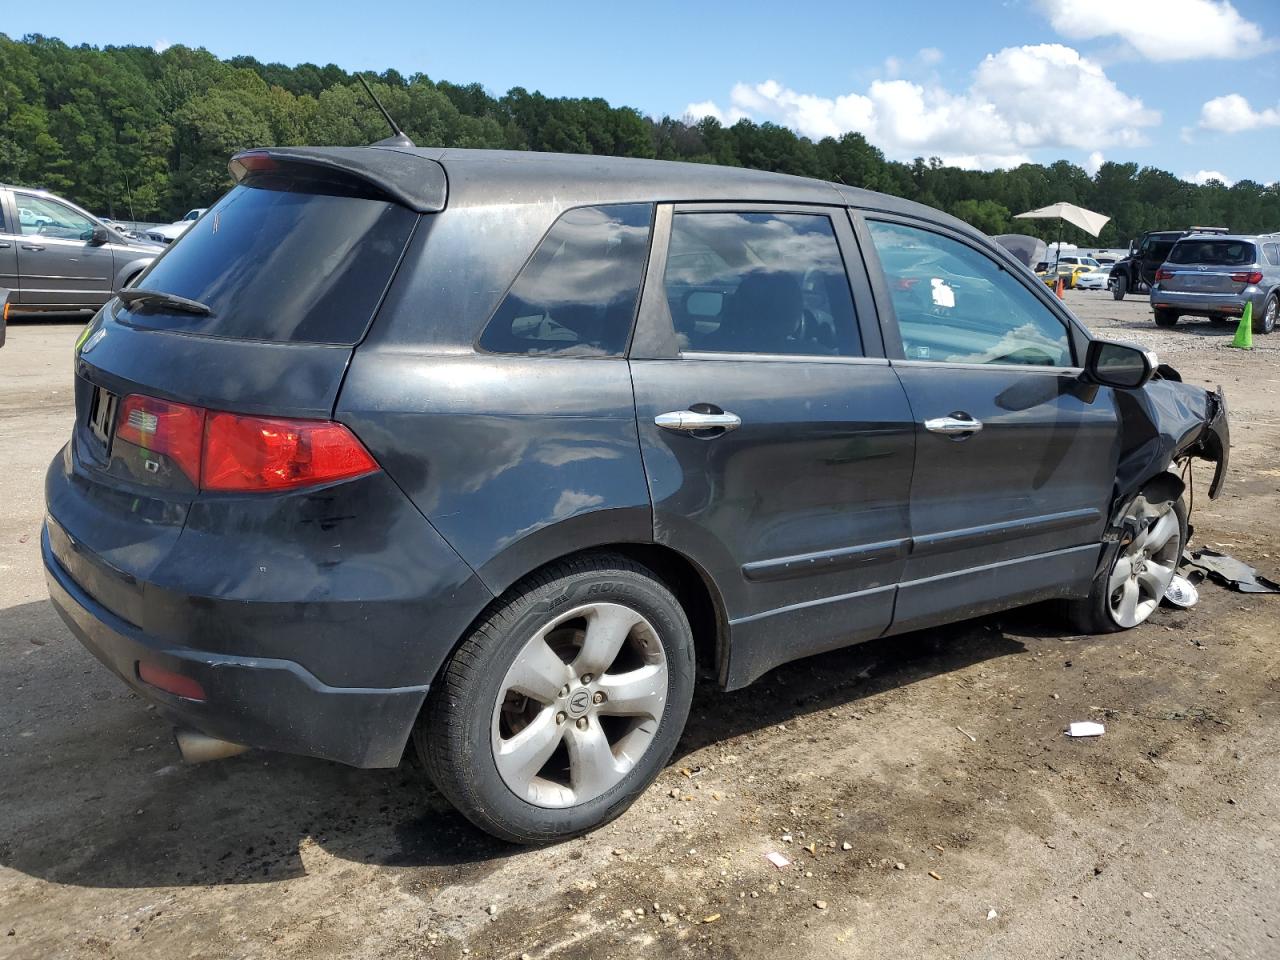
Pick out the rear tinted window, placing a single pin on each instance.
(577, 294)
(1222, 253)
(759, 283)
(276, 262)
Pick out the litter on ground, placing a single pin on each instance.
(1086, 728)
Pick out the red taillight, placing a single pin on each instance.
(230, 452)
(1163, 274)
(171, 429)
(265, 453)
(1254, 276)
(170, 682)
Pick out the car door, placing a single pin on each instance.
(1015, 456)
(59, 264)
(776, 439)
(10, 237)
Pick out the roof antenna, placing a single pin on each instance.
(398, 137)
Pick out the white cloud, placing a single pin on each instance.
(930, 56)
(1201, 177)
(160, 46)
(1161, 29)
(1013, 106)
(1233, 113)
(1094, 163)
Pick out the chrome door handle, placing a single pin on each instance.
(5, 244)
(688, 421)
(31, 246)
(953, 426)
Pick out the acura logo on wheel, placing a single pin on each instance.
(578, 703)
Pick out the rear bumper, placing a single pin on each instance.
(260, 702)
(1207, 304)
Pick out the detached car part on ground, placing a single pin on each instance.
(547, 431)
(1215, 276)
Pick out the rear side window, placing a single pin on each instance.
(282, 260)
(1273, 254)
(577, 294)
(759, 283)
(1218, 253)
(957, 305)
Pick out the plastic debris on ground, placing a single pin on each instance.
(777, 859)
(1086, 728)
(1229, 572)
(1182, 592)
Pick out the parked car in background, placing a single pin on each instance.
(1070, 269)
(58, 258)
(1215, 275)
(1095, 279)
(170, 232)
(487, 450)
(1137, 272)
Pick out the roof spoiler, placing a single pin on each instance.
(409, 179)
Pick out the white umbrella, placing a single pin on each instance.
(1086, 220)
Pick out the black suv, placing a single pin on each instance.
(489, 450)
(1136, 273)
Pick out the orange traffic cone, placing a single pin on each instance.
(1060, 288)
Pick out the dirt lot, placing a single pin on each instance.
(921, 785)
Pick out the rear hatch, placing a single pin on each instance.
(1215, 266)
(255, 310)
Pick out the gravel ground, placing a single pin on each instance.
(921, 786)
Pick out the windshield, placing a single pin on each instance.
(275, 261)
(1218, 253)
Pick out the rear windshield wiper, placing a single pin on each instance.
(172, 300)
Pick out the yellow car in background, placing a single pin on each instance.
(1070, 269)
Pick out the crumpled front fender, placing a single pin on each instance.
(1160, 424)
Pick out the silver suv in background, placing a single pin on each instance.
(1214, 276)
(57, 258)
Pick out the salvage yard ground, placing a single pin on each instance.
(920, 786)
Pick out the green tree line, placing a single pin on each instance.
(133, 133)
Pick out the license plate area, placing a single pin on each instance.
(102, 416)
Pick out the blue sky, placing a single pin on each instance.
(1192, 86)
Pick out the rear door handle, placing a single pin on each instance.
(958, 424)
(5, 244)
(31, 246)
(689, 421)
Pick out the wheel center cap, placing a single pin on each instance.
(578, 703)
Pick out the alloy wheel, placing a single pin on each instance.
(580, 705)
(1146, 565)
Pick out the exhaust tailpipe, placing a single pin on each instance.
(195, 747)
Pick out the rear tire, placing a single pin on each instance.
(1125, 594)
(563, 704)
(1267, 322)
(1166, 318)
(1118, 286)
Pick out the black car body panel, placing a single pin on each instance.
(317, 618)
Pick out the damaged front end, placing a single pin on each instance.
(1163, 426)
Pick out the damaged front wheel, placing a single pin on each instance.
(1130, 589)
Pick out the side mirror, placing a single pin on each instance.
(1124, 366)
(99, 235)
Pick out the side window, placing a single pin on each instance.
(759, 283)
(577, 294)
(1272, 251)
(47, 218)
(957, 305)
